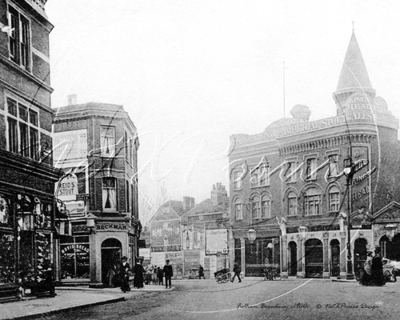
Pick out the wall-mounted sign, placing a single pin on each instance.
(67, 188)
(216, 241)
(76, 209)
(69, 145)
(111, 227)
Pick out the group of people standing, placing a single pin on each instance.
(138, 273)
(373, 270)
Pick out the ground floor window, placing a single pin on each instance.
(7, 261)
(74, 253)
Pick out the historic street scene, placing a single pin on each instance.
(199, 159)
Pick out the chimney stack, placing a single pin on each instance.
(72, 99)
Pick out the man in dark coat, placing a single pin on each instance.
(377, 270)
(168, 272)
(124, 274)
(236, 270)
(138, 271)
(201, 272)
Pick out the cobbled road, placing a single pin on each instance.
(286, 299)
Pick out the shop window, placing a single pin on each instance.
(292, 204)
(18, 38)
(7, 261)
(238, 209)
(107, 141)
(312, 202)
(266, 207)
(333, 166)
(75, 257)
(334, 199)
(109, 194)
(23, 131)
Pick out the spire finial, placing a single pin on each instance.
(353, 25)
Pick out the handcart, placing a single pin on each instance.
(223, 276)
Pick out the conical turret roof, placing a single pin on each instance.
(354, 75)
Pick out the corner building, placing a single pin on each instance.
(27, 175)
(96, 144)
(288, 185)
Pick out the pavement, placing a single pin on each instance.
(68, 298)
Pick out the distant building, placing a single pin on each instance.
(205, 234)
(96, 144)
(27, 175)
(166, 234)
(287, 184)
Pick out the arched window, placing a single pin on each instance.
(266, 207)
(256, 208)
(238, 209)
(237, 180)
(292, 203)
(334, 199)
(313, 202)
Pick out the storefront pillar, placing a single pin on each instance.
(231, 250)
(343, 255)
(284, 255)
(243, 253)
(325, 273)
(300, 258)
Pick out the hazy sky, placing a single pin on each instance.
(191, 73)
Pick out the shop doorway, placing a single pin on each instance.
(292, 263)
(390, 249)
(335, 258)
(314, 258)
(110, 255)
(360, 255)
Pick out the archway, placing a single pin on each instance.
(110, 255)
(335, 258)
(360, 255)
(314, 258)
(390, 249)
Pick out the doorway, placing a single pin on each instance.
(110, 255)
(314, 258)
(335, 258)
(292, 263)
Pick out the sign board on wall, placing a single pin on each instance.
(158, 259)
(76, 209)
(216, 241)
(69, 145)
(144, 252)
(67, 188)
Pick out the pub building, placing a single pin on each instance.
(295, 186)
(27, 175)
(96, 145)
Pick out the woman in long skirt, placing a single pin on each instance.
(124, 274)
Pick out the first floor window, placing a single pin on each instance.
(333, 166)
(238, 210)
(292, 204)
(109, 194)
(237, 180)
(334, 199)
(256, 208)
(313, 202)
(266, 207)
(311, 169)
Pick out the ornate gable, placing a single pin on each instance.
(388, 214)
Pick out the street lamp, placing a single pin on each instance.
(390, 230)
(251, 235)
(349, 172)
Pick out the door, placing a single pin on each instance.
(314, 258)
(110, 255)
(335, 258)
(292, 263)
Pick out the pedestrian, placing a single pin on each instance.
(201, 272)
(160, 276)
(377, 269)
(366, 276)
(138, 272)
(124, 274)
(168, 272)
(111, 275)
(236, 270)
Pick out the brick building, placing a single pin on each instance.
(96, 145)
(205, 234)
(27, 176)
(288, 183)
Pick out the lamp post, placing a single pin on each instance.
(349, 172)
(251, 235)
(390, 230)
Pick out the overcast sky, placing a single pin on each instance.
(193, 72)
